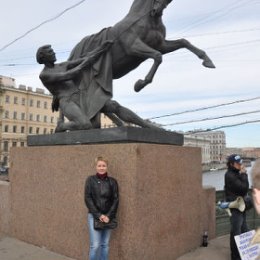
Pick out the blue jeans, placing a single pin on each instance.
(98, 240)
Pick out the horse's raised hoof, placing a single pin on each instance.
(139, 85)
(208, 64)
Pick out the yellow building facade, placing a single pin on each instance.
(23, 112)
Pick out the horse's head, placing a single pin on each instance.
(158, 6)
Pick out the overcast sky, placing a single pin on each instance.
(228, 30)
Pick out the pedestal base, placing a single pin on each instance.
(108, 135)
(163, 209)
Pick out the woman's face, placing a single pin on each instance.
(101, 167)
(238, 166)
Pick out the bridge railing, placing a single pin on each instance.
(222, 218)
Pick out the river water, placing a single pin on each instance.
(216, 178)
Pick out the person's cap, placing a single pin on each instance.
(234, 158)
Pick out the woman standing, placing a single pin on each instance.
(101, 198)
(236, 184)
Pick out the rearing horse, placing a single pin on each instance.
(137, 37)
(141, 35)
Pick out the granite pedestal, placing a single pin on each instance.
(108, 136)
(163, 208)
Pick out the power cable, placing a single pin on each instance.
(171, 38)
(41, 24)
(216, 14)
(205, 108)
(212, 118)
(17, 64)
(182, 54)
(223, 126)
(225, 32)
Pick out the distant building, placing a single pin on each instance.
(23, 112)
(244, 152)
(106, 122)
(217, 144)
(233, 150)
(202, 142)
(251, 152)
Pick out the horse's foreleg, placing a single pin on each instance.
(140, 49)
(170, 46)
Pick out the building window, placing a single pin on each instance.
(52, 118)
(45, 119)
(45, 105)
(22, 129)
(15, 115)
(37, 130)
(31, 103)
(38, 103)
(22, 144)
(45, 130)
(52, 131)
(6, 114)
(5, 146)
(14, 144)
(7, 99)
(30, 130)
(23, 116)
(6, 128)
(23, 101)
(15, 100)
(38, 118)
(5, 162)
(14, 128)
(31, 117)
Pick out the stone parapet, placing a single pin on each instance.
(5, 207)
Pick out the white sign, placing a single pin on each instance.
(247, 251)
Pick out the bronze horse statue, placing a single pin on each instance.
(141, 35)
(137, 37)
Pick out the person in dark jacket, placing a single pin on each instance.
(101, 198)
(236, 184)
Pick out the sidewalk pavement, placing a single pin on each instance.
(217, 249)
(13, 249)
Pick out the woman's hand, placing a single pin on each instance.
(243, 169)
(104, 218)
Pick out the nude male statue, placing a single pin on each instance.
(58, 78)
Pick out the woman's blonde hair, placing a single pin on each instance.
(101, 158)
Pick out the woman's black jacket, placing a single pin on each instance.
(236, 184)
(101, 196)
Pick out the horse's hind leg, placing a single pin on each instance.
(170, 46)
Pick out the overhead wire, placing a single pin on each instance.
(215, 15)
(80, 2)
(164, 115)
(212, 118)
(41, 24)
(223, 126)
(205, 108)
(214, 47)
(225, 32)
